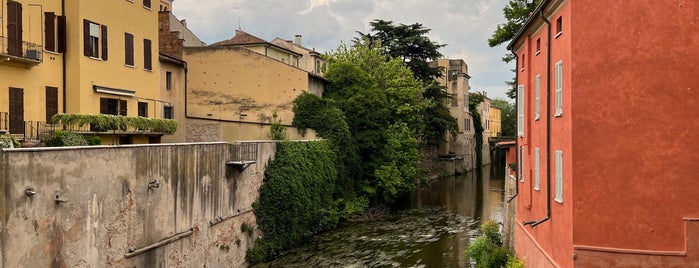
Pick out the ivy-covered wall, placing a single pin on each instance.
(296, 197)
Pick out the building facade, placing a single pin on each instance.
(601, 180)
(310, 60)
(73, 57)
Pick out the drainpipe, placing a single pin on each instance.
(516, 136)
(548, 119)
(63, 57)
(186, 115)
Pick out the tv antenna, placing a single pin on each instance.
(237, 9)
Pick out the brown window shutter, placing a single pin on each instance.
(14, 28)
(61, 34)
(51, 102)
(128, 49)
(49, 31)
(104, 106)
(147, 56)
(146, 3)
(104, 43)
(16, 110)
(86, 38)
(122, 107)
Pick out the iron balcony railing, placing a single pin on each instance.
(245, 152)
(38, 131)
(26, 51)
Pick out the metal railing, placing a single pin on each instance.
(243, 152)
(29, 51)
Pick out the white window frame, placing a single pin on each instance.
(559, 88)
(559, 176)
(537, 107)
(536, 169)
(520, 165)
(520, 110)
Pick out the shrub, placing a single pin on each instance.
(7, 141)
(277, 131)
(65, 138)
(487, 249)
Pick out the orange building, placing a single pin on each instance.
(607, 130)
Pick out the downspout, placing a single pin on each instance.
(65, 84)
(516, 136)
(186, 115)
(548, 120)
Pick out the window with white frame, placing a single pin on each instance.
(536, 169)
(537, 89)
(559, 88)
(559, 176)
(520, 110)
(520, 165)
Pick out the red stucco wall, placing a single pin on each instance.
(555, 236)
(636, 123)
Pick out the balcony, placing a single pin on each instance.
(27, 54)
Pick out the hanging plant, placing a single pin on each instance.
(106, 122)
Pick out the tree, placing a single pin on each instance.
(508, 119)
(379, 107)
(410, 44)
(516, 12)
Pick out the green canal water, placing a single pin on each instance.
(433, 231)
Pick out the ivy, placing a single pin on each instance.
(108, 122)
(473, 101)
(296, 198)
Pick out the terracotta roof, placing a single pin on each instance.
(241, 38)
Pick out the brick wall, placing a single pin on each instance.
(170, 42)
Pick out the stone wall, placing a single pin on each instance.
(97, 206)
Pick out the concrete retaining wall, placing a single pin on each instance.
(105, 207)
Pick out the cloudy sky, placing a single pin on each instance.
(464, 25)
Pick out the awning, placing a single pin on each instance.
(114, 91)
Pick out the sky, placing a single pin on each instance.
(463, 25)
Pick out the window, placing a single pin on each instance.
(318, 65)
(143, 109)
(559, 88)
(537, 89)
(128, 49)
(168, 80)
(16, 110)
(559, 26)
(520, 165)
(14, 29)
(538, 46)
(113, 106)
(95, 40)
(51, 102)
(147, 57)
(54, 32)
(167, 112)
(559, 176)
(467, 125)
(146, 4)
(520, 110)
(536, 169)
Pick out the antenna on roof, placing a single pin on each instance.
(238, 14)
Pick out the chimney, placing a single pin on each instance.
(184, 22)
(297, 40)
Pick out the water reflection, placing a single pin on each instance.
(434, 232)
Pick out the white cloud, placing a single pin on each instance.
(464, 25)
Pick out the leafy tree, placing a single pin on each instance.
(508, 119)
(277, 131)
(473, 101)
(410, 44)
(373, 111)
(516, 12)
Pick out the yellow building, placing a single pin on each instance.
(456, 80)
(97, 57)
(233, 92)
(310, 60)
(494, 124)
(260, 46)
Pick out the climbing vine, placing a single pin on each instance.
(473, 101)
(296, 198)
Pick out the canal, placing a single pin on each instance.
(433, 232)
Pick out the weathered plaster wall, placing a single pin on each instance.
(110, 209)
